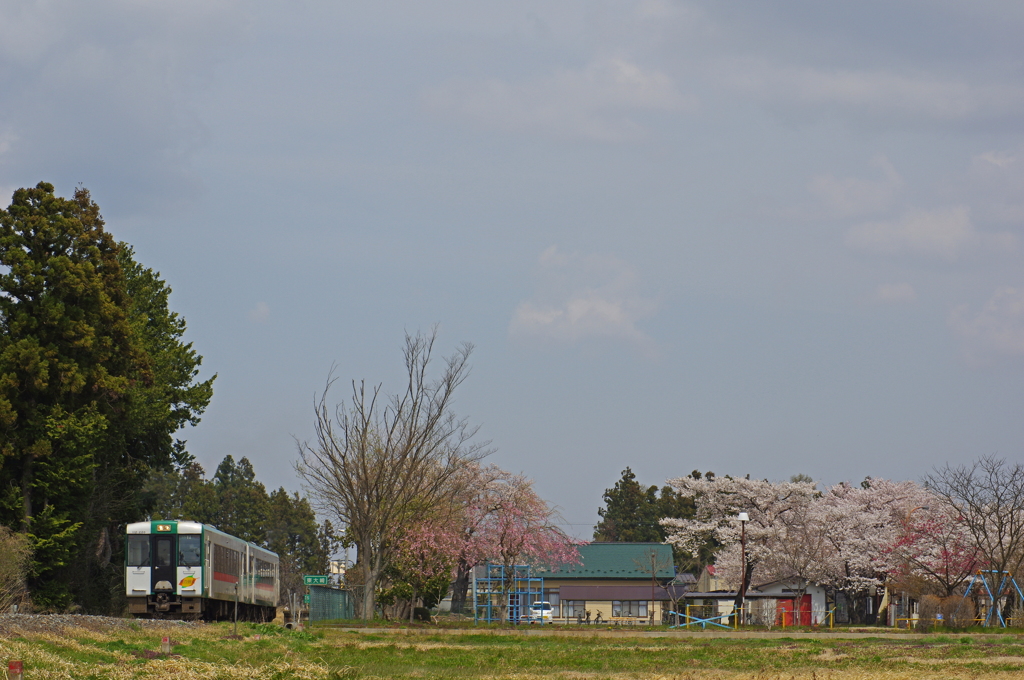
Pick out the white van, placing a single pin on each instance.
(538, 612)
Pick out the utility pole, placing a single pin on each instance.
(654, 572)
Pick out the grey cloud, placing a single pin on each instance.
(877, 93)
(580, 297)
(849, 196)
(996, 330)
(895, 293)
(105, 94)
(945, 233)
(597, 102)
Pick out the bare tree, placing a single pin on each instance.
(989, 496)
(380, 460)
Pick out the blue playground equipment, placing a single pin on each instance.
(703, 623)
(986, 578)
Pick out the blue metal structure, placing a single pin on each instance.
(995, 595)
(514, 587)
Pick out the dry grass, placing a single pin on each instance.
(269, 653)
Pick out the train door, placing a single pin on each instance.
(164, 567)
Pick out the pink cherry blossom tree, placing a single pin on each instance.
(937, 547)
(860, 526)
(771, 506)
(522, 528)
(426, 552)
(481, 498)
(849, 539)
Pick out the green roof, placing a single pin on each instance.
(618, 560)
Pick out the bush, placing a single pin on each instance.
(958, 612)
(16, 552)
(928, 610)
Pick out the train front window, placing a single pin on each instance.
(163, 553)
(138, 551)
(188, 550)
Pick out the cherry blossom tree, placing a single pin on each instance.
(849, 539)
(482, 497)
(521, 528)
(719, 500)
(861, 524)
(426, 552)
(937, 547)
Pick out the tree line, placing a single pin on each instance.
(928, 538)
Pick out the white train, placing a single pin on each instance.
(188, 570)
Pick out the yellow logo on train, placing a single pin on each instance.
(187, 581)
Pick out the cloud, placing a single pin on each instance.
(997, 180)
(997, 330)
(104, 93)
(657, 9)
(260, 313)
(581, 297)
(854, 196)
(945, 233)
(895, 293)
(913, 95)
(1000, 159)
(594, 103)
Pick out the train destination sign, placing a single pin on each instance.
(315, 580)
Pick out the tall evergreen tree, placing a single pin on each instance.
(68, 359)
(633, 513)
(630, 513)
(292, 532)
(182, 493)
(91, 390)
(242, 500)
(143, 438)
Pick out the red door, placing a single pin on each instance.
(805, 611)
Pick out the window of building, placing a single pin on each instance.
(572, 609)
(629, 608)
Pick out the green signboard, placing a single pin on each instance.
(305, 598)
(315, 580)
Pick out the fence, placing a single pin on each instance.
(769, 614)
(326, 604)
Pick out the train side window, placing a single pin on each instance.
(138, 550)
(163, 552)
(188, 550)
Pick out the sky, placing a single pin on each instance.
(748, 237)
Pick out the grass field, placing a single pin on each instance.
(269, 652)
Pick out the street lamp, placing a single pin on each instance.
(743, 518)
(913, 510)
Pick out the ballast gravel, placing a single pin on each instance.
(14, 625)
